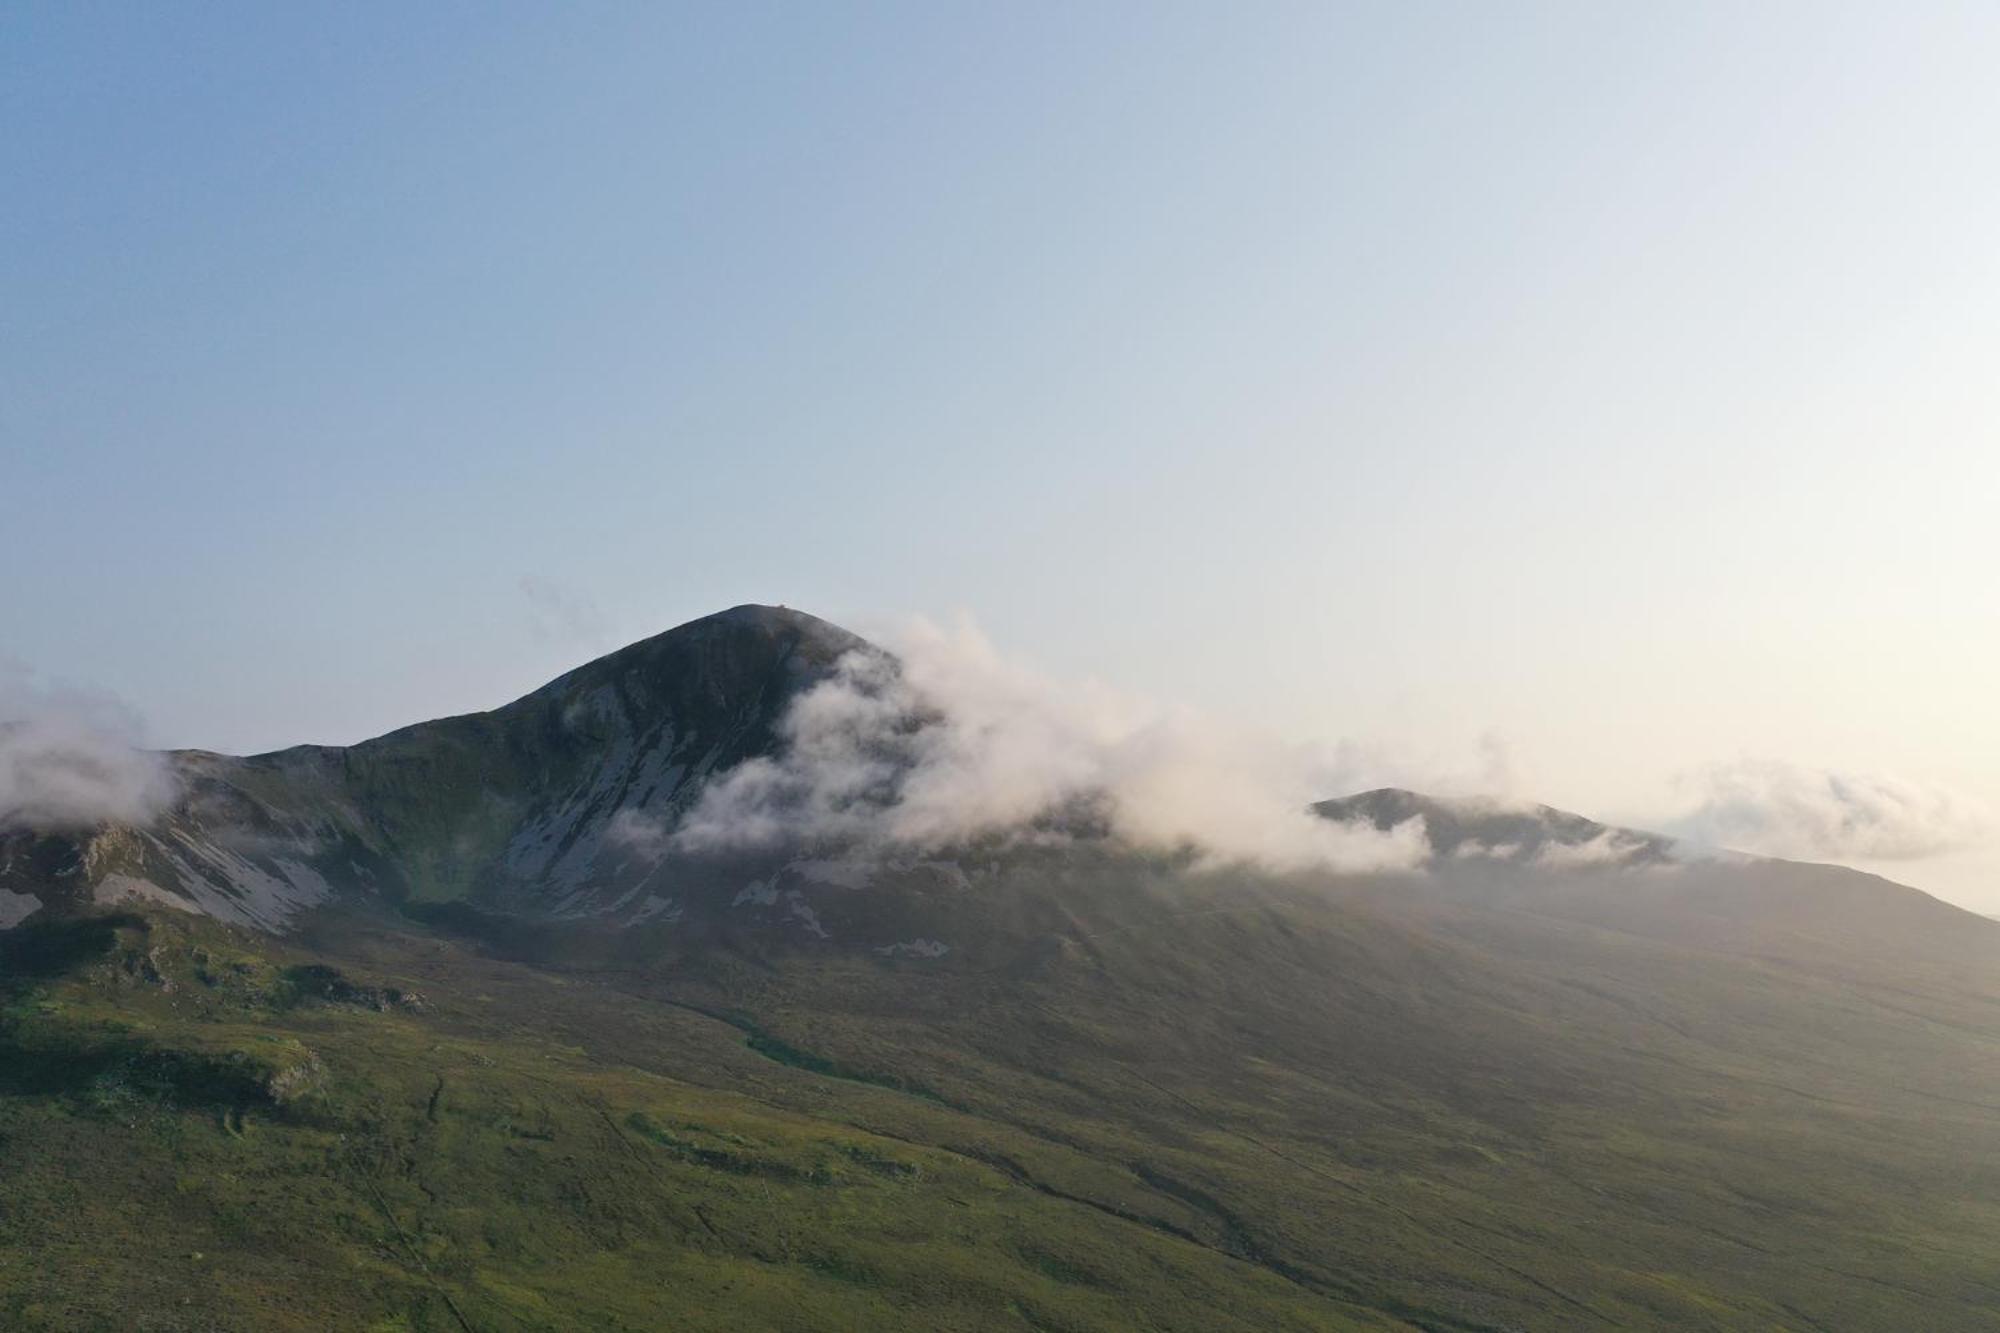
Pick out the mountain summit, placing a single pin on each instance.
(541, 805)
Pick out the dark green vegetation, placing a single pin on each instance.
(1132, 1093)
(1284, 1111)
(193, 1139)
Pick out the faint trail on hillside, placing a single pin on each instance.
(416, 1258)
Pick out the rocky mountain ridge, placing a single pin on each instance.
(531, 807)
(557, 811)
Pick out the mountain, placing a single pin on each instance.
(1487, 830)
(518, 807)
(445, 1031)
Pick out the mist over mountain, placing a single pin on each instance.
(852, 988)
(70, 759)
(645, 784)
(762, 772)
(751, 732)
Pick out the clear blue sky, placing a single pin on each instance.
(1615, 379)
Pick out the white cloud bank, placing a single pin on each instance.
(1613, 847)
(70, 759)
(1780, 809)
(948, 743)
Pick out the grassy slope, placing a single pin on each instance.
(447, 1166)
(1555, 1125)
(1283, 1112)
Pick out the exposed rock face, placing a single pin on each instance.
(553, 805)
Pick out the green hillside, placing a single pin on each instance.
(1196, 1105)
(420, 1034)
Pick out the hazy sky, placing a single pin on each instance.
(1567, 398)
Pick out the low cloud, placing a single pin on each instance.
(1779, 809)
(947, 743)
(640, 833)
(70, 759)
(1609, 848)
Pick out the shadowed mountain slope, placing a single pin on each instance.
(520, 806)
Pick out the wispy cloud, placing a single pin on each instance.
(70, 759)
(639, 832)
(949, 742)
(1613, 847)
(563, 615)
(1781, 809)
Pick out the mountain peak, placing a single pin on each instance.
(773, 622)
(742, 642)
(553, 798)
(761, 616)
